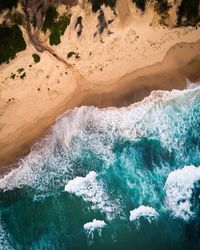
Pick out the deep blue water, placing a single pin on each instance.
(104, 165)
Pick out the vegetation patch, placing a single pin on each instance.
(13, 17)
(57, 25)
(17, 18)
(20, 70)
(20, 73)
(8, 4)
(162, 6)
(96, 4)
(11, 42)
(12, 76)
(23, 75)
(71, 53)
(188, 13)
(51, 16)
(36, 58)
(141, 4)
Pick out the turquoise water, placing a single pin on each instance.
(110, 178)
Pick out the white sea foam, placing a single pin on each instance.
(145, 212)
(95, 130)
(191, 85)
(92, 190)
(4, 238)
(77, 185)
(179, 189)
(93, 225)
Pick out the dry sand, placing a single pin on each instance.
(113, 70)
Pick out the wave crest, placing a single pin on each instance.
(180, 188)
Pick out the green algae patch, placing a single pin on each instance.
(11, 42)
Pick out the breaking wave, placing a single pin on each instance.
(181, 187)
(146, 212)
(102, 164)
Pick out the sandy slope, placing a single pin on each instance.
(115, 70)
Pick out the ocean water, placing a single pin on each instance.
(124, 179)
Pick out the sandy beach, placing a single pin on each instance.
(112, 70)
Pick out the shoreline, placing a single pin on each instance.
(181, 61)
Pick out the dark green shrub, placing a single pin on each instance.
(190, 10)
(162, 6)
(36, 58)
(17, 18)
(23, 75)
(51, 16)
(12, 76)
(96, 4)
(58, 30)
(13, 18)
(70, 54)
(8, 4)
(141, 4)
(57, 26)
(11, 42)
(20, 70)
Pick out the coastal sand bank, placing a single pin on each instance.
(128, 89)
(114, 70)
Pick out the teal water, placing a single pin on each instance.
(110, 178)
